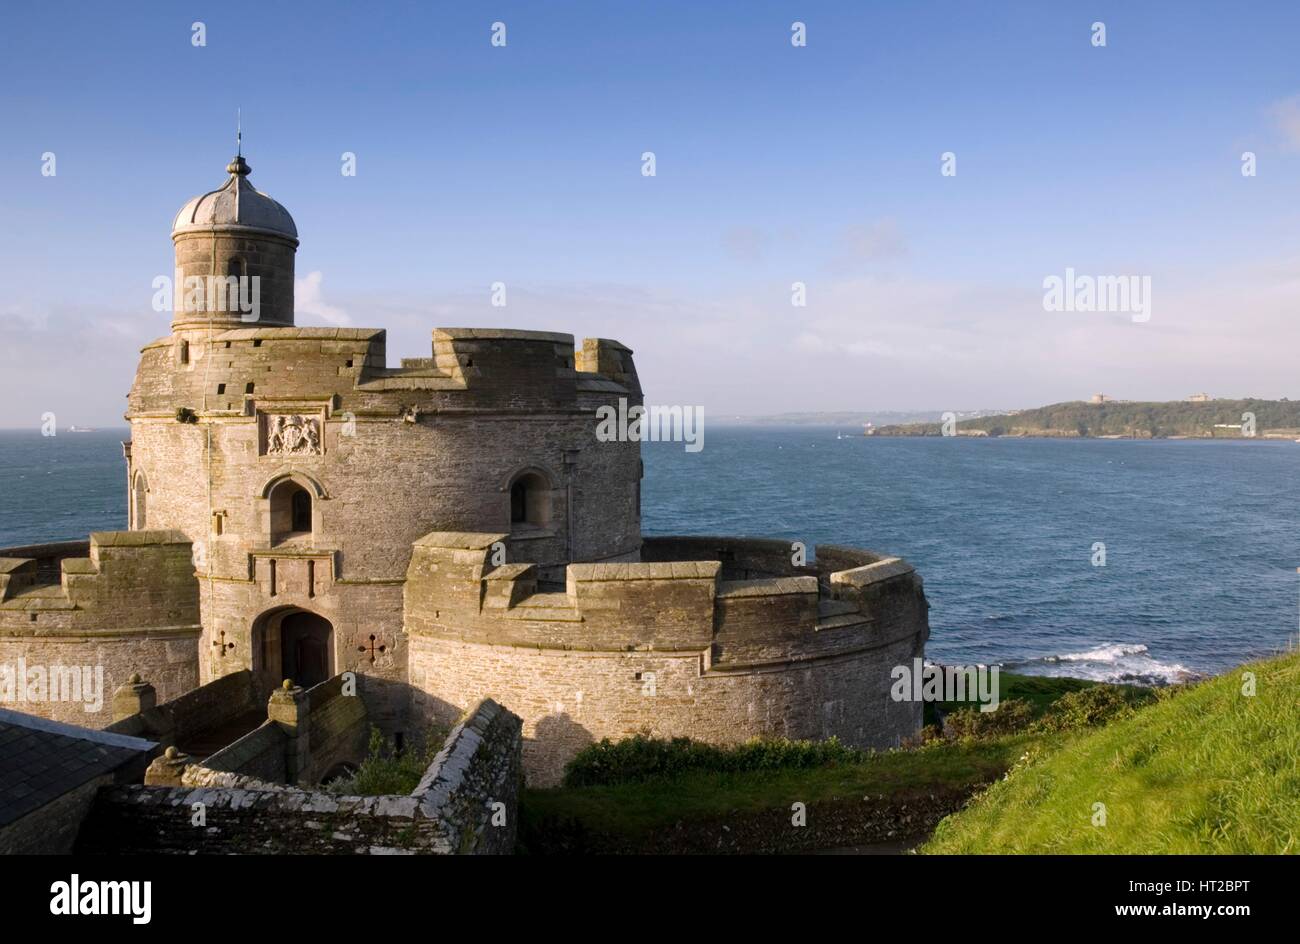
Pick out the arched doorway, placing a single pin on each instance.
(292, 644)
(306, 648)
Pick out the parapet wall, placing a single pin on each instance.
(466, 804)
(470, 368)
(670, 647)
(308, 735)
(187, 717)
(779, 612)
(131, 605)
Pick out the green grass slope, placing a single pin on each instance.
(1209, 770)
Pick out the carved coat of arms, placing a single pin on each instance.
(293, 436)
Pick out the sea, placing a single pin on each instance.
(1112, 560)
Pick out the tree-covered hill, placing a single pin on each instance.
(1140, 420)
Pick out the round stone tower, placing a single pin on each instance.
(304, 468)
(234, 257)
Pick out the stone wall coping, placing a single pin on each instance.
(591, 383)
(47, 550)
(608, 343)
(767, 587)
(287, 551)
(501, 334)
(873, 573)
(461, 540)
(266, 736)
(662, 570)
(35, 631)
(447, 772)
(136, 538)
(299, 334)
(510, 571)
(10, 564)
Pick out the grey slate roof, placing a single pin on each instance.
(235, 203)
(41, 760)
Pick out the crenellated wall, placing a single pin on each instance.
(130, 605)
(668, 647)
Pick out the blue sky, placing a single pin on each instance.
(775, 164)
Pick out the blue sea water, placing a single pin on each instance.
(1201, 538)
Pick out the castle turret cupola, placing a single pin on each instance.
(234, 257)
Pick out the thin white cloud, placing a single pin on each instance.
(308, 301)
(1286, 119)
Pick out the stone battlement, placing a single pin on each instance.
(236, 372)
(737, 602)
(132, 604)
(151, 571)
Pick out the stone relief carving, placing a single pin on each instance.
(293, 436)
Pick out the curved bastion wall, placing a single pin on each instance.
(78, 618)
(725, 641)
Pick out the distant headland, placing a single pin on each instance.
(1198, 417)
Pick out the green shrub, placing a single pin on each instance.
(1010, 717)
(640, 758)
(1090, 707)
(387, 771)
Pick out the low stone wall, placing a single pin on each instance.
(467, 803)
(741, 558)
(308, 734)
(183, 718)
(131, 605)
(47, 559)
(338, 728)
(260, 754)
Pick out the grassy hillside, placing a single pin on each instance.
(1139, 420)
(1210, 770)
(630, 791)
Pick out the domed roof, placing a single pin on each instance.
(236, 203)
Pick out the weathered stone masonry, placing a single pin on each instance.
(449, 529)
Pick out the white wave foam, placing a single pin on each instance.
(1108, 653)
(1110, 662)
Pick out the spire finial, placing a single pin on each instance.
(237, 166)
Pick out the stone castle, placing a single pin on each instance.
(450, 530)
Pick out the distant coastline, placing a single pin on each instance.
(1249, 419)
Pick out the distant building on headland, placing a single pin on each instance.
(1200, 398)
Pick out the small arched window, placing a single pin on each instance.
(139, 501)
(530, 502)
(301, 510)
(291, 512)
